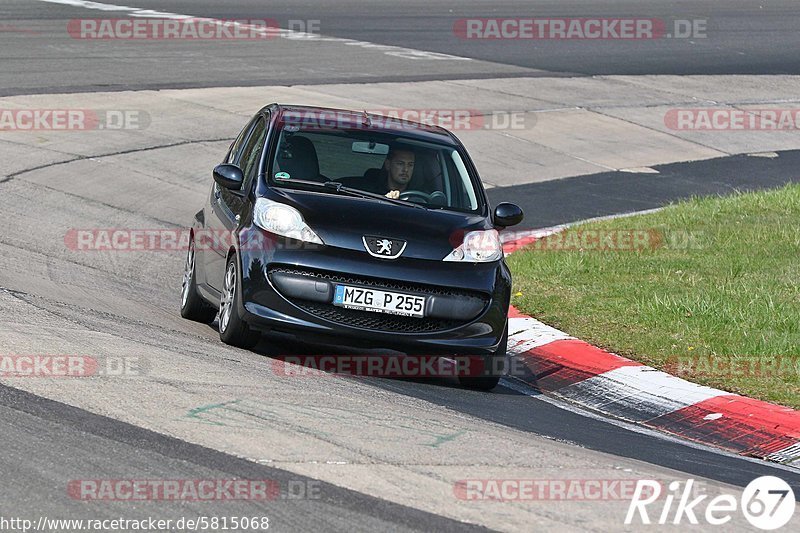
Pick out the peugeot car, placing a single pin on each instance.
(355, 229)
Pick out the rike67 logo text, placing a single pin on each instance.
(767, 503)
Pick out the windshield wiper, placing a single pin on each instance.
(341, 189)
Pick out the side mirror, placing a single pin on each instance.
(229, 176)
(506, 214)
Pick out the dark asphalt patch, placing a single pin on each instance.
(562, 201)
(80, 443)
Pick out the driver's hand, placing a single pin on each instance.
(393, 194)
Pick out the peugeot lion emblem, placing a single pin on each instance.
(383, 247)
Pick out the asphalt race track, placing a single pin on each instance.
(597, 195)
(347, 453)
(742, 38)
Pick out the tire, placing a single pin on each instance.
(232, 329)
(193, 307)
(493, 362)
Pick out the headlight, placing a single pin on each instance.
(284, 220)
(478, 247)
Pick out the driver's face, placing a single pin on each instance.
(400, 168)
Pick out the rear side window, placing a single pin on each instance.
(236, 147)
(460, 190)
(251, 154)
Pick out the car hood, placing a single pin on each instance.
(343, 221)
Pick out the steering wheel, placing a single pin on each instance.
(415, 196)
(438, 198)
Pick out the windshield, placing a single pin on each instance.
(429, 174)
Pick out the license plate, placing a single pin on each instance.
(393, 303)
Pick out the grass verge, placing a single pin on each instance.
(708, 289)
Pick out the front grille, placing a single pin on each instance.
(376, 321)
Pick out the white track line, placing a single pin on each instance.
(395, 51)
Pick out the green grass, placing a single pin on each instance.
(729, 295)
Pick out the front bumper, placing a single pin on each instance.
(288, 288)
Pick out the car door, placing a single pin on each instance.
(227, 206)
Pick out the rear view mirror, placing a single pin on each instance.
(229, 176)
(506, 214)
(373, 148)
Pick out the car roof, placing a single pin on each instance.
(347, 119)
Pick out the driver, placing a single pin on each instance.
(398, 167)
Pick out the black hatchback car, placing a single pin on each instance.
(351, 228)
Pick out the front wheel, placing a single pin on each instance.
(192, 305)
(232, 329)
(493, 365)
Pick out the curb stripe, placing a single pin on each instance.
(559, 364)
(562, 363)
(637, 393)
(743, 425)
(527, 333)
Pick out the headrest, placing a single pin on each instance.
(298, 157)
